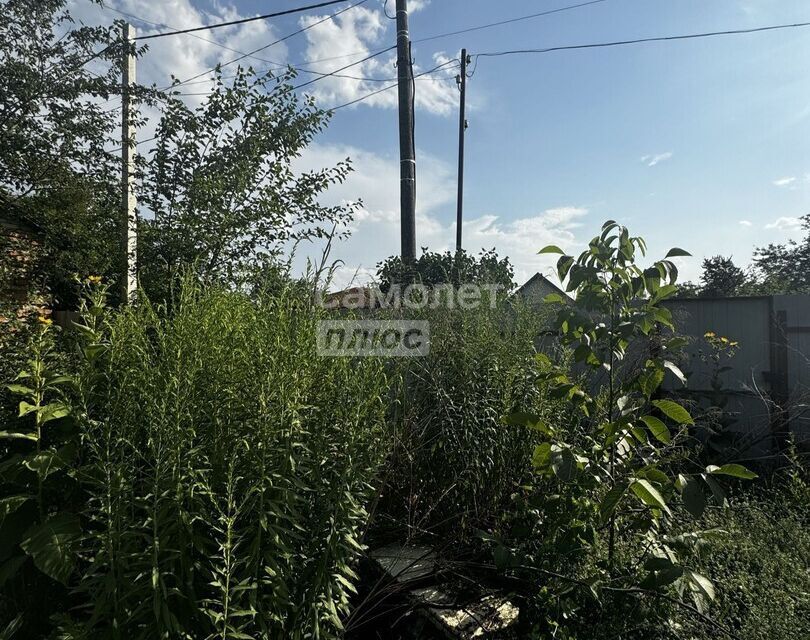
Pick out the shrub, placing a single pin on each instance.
(456, 463)
(226, 470)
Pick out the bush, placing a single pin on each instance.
(760, 566)
(456, 463)
(225, 470)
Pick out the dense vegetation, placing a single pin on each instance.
(191, 467)
(777, 269)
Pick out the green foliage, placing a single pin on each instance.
(54, 171)
(760, 564)
(610, 475)
(784, 268)
(456, 268)
(39, 524)
(777, 269)
(224, 471)
(456, 463)
(220, 185)
(722, 278)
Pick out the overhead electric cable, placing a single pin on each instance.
(476, 28)
(510, 21)
(389, 87)
(241, 21)
(267, 46)
(250, 55)
(348, 66)
(619, 43)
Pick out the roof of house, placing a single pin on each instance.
(539, 279)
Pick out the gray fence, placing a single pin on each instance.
(767, 383)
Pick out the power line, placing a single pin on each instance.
(374, 93)
(619, 43)
(250, 55)
(336, 71)
(267, 46)
(476, 28)
(510, 21)
(242, 20)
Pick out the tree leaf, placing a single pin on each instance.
(693, 498)
(650, 380)
(10, 505)
(551, 248)
(701, 588)
(718, 493)
(54, 411)
(14, 435)
(735, 471)
(26, 408)
(677, 252)
(541, 456)
(50, 545)
(657, 428)
(674, 411)
(44, 463)
(611, 501)
(19, 388)
(676, 371)
(563, 464)
(649, 495)
(529, 420)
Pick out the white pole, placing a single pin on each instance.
(128, 202)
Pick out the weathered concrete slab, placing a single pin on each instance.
(405, 563)
(492, 614)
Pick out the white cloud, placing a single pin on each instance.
(785, 222)
(350, 37)
(745, 223)
(417, 5)
(652, 160)
(184, 56)
(784, 182)
(375, 230)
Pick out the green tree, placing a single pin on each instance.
(54, 171)
(785, 268)
(721, 278)
(457, 268)
(612, 472)
(219, 190)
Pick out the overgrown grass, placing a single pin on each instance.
(456, 463)
(226, 470)
(761, 565)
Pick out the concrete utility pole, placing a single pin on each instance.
(462, 128)
(407, 154)
(129, 217)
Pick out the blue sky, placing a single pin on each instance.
(701, 144)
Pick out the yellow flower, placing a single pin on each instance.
(94, 279)
(710, 334)
(44, 320)
(735, 344)
(724, 340)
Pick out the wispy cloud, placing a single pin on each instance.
(352, 36)
(785, 222)
(784, 182)
(375, 229)
(746, 223)
(654, 159)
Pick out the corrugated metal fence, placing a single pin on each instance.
(766, 384)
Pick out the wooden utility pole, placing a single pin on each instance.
(462, 128)
(407, 153)
(129, 214)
